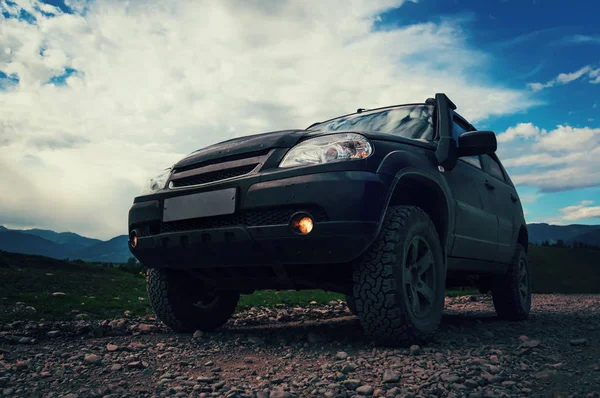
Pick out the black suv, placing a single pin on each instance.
(388, 206)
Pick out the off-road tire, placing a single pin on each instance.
(174, 297)
(511, 301)
(351, 303)
(380, 283)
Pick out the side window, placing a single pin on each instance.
(459, 126)
(457, 130)
(495, 169)
(472, 160)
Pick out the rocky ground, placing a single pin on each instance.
(314, 351)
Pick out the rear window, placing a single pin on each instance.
(408, 121)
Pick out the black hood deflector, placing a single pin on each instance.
(242, 145)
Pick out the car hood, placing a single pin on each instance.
(244, 145)
(277, 139)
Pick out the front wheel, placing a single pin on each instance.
(182, 304)
(399, 284)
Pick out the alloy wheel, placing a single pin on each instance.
(523, 281)
(419, 277)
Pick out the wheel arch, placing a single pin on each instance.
(418, 188)
(523, 238)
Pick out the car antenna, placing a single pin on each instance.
(360, 110)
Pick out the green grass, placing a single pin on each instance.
(271, 298)
(97, 291)
(102, 293)
(105, 293)
(565, 270)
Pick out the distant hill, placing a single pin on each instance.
(589, 234)
(64, 245)
(19, 242)
(115, 250)
(76, 242)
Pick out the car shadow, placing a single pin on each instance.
(348, 330)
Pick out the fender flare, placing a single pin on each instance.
(403, 164)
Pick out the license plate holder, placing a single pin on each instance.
(203, 204)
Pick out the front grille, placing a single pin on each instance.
(230, 158)
(249, 218)
(213, 176)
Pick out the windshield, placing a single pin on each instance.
(408, 121)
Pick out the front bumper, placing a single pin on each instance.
(346, 206)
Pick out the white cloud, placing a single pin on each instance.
(539, 159)
(540, 86)
(525, 130)
(581, 211)
(595, 75)
(560, 159)
(565, 78)
(156, 80)
(581, 39)
(530, 198)
(567, 138)
(555, 180)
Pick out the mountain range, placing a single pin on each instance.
(588, 234)
(64, 245)
(69, 245)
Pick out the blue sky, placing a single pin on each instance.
(92, 88)
(530, 41)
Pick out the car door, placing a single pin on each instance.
(475, 226)
(502, 194)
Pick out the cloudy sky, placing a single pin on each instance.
(95, 97)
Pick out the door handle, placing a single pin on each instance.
(514, 198)
(489, 186)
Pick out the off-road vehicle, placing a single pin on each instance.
(388, 206)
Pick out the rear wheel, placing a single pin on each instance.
(182, 304)
(512, 292)
(351, 303)
(399, 284)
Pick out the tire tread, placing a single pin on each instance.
(505, 293)
(378, 302)
(171, 301)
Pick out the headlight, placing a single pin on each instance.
(157, 183)
(327, 149)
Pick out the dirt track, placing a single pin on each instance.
(316, 351)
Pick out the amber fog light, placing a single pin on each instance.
(302, 224)
(133, 239)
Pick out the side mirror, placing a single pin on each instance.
(474, 143)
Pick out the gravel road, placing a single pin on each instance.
(312, 351)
